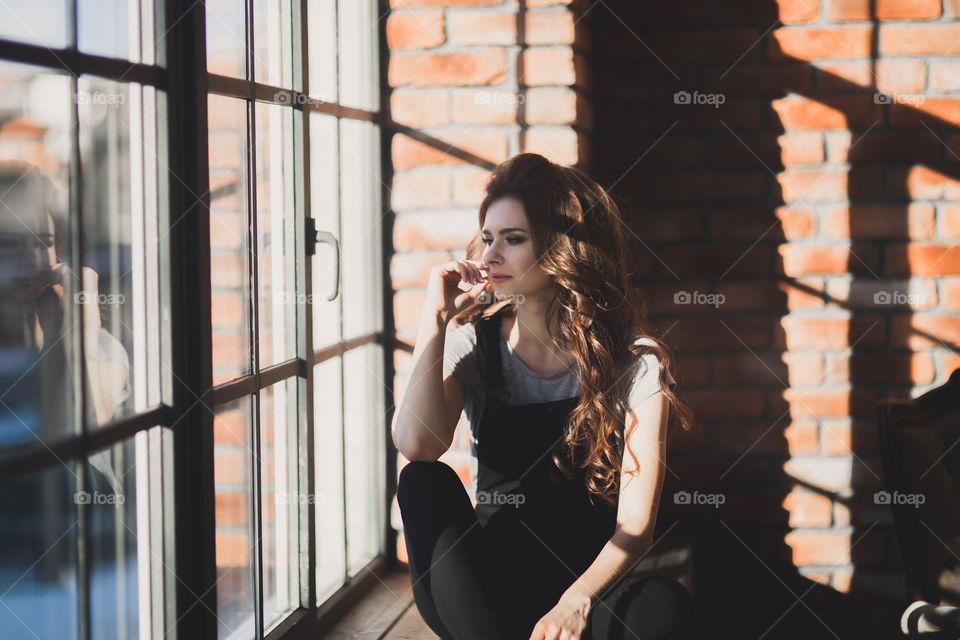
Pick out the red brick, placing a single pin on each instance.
(950, 220)
(798, 11)
(226, 310)
(813, 185)
(879, 221)
(937, 112)
(232, 549)
(806, 546)
(549, 27)
(810, 403)
(727, 403)
(231, 508)
(547, 65)
(464, 68)
(883, 9)
(926, 259)
(923, 183)
(925, 330)
(420, 107)
(407, 307)
(418, 190)
(950, 294)
(415, 30)
(559, 143)
(485, 106)
(550, 105)
(945, 75)
(229, 427)
(802, 293)
(808, 509)
(812, 43)
(801, 147)
(798, 112)
(468, 186)
(750, 369)
(411, 269)
(488, 144)
(825, 332)
(938, 39)
(434, 230)
(750, 224)
(901, 75)
(801, 436)
(882, 368)
(400, 4)
(476, 27)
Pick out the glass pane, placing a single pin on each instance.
(275, 234)
(272, 42)
(229, 239)
(121, 518)
(118, 143)
(361, 252)
(235, 546)
(280, 499)
(116, 28)
(322, 49)
(35, 21)
(364, 428)
(38, 557)
(359, 30)
(37, 284)
(324, 201)
(328, 476)
(226, 37)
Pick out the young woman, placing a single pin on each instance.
(550, 357)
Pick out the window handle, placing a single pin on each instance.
(315, 237)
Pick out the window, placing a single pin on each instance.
(192, 410)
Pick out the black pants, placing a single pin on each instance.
(492, 583)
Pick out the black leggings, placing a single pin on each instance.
(490, 583)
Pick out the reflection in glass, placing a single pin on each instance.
(38, 558)
(37, 286)
(118, 143)
(322, 49)
(226, 37)
(276, 217)
(235, 546)
(272, 40)
(36, 22)
(359, 23)
(364, 453)
(325, 205)
(360, 250)
(116, 28)
(229, 239)
(280, 499)
(328, 476)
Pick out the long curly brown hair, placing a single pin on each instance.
(579, 239)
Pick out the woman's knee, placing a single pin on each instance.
(419, 476)
(654, 608)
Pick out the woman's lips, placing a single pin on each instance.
(499, 278)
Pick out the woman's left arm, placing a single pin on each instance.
(641, 480)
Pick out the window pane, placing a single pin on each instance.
(116, 28)
(361, 250)
(364, 428)
(235, 546)
(359, 35)
(35, 21)
(38, 558)
(36, 281)
(226, 37)
(122, 517)
(328, 476)
(272, 42)
(229, 239)
(275, 234)
(280, 499)
(324, 201)
(118, 143)
(322, 49)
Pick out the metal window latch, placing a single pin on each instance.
(313, 238)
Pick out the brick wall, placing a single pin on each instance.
(796, 207)
(795, 217)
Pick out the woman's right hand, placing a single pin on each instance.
(444, 296)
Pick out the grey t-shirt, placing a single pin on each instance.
(526, 385)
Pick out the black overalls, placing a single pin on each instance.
(493, 571)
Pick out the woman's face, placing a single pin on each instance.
(509, 251)
(27, 253)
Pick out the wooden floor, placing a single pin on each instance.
(386, 613)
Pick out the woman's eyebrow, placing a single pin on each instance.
(507, 230)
